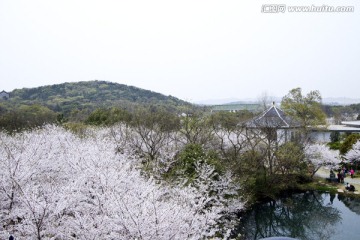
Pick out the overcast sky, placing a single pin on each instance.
(193, 50)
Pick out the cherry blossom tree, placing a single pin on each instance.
(35, 176)
(319, 155)
(353, 155)
(56, 185)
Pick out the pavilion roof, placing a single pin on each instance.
(273, 117)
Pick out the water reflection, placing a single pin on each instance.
(352, 203)
(309, 215)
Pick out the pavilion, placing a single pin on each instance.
(275, 124)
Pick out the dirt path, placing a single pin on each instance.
(325, 173)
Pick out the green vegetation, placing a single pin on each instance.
(320, 185)
(90, 95)
(289, 171)
(26, 116)
(338, 112)
(306, 110)
(153, 124)
(92, 102)
(188, 159)
(107, 117)
(334, 137)
(343, 142)
(348, 142)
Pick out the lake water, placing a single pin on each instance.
(310, 216)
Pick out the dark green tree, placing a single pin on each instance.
(26, 116)
(306, 109)
(348, 142)
(107, 117)
(334, 137)
(188, 158)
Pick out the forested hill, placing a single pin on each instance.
(90, 95)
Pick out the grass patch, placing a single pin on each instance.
(320, 184)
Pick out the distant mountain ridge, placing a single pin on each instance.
(233, 101)
(91, 94)
(341, 101)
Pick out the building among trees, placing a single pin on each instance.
(4, 95)
(323, 135)
(251, 107)
(275, 124)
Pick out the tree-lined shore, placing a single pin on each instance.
(147, 172)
